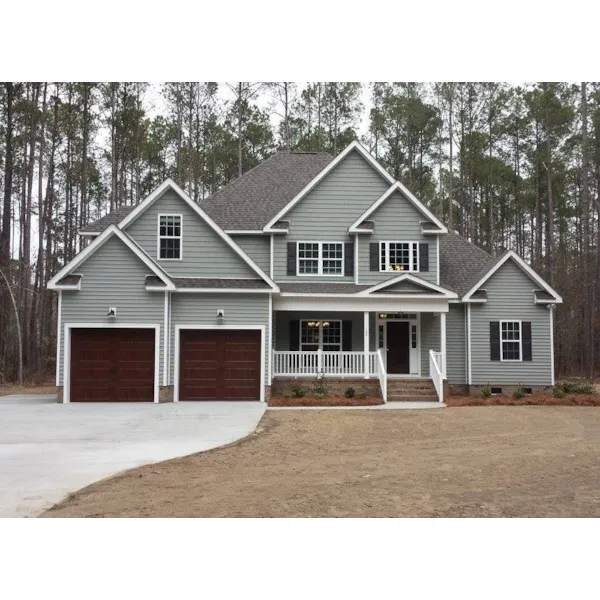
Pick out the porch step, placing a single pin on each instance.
(420, 397)
(411, 390)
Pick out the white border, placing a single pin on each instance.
(319, 259)
(551, 309)
(411, 323)
(524, 266)
(469, 365)
(386, 245)
(355, 145)
(408, 277)
(97, 243)
(169, 183)
(168, 237)
(398, 187)
(58, 332)
(512, 360)
(67, 351)
(165, 342)
(260, 328)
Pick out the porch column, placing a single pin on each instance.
(443, 342)
(366, 344)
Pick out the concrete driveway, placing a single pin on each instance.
(48, 450)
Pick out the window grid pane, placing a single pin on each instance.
(399, 256)
(169, 237)
(510, 335)
(318, 258)
(324, 335)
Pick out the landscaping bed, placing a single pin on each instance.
(537, 399)
(330, 400)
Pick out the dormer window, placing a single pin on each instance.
(399, 256)
(169, 237)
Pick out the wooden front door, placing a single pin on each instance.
(219, 365)
(398, 347)
(112, 365)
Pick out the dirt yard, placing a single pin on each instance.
(33, 388)
(467, 462)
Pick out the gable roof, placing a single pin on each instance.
(170, 184)
(511, 255)
(354, 146)
(398, 187)
(112, 218)
(250, 201)
(96, 244)
(426, 286)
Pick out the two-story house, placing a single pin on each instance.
(305, 265)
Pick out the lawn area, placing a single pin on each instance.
(462, 462)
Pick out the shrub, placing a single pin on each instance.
(576, 387)
(298, 392)
(486, 392)
(320, 388)
(320, 395)
(519, 393)
(350, 392)
(361, 396)
(558, 392)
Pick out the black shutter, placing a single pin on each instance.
(424, 256)
(494, 340)
(374, 256)
(291, 258)
(294, 335)
(347, 336)
(349, 259)
(526, 333)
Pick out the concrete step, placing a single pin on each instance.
(397, 386)
(412, 398)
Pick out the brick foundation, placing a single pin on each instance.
(267, 393)
(165, 393)
(334, 385)
(507, 390)
(457, 389)
(59, 394)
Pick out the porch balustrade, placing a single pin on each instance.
(339, 364)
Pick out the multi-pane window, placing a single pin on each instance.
(510, 340)
(320, 258)
(320, 335)
(169, 237)
(398, 256)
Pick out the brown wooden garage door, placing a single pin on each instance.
(219, 365)
(112, 365)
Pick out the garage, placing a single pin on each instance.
(219, 364)
(112, 365)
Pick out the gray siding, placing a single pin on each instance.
(257, 247)
(201, 309)
(112, 276)
(430, 339)
(396, 220)
(510, 297)
(283, 318)
(456, 359)
(205, 254)
(327, 211)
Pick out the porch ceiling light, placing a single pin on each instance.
(382, 315)
(326, 324)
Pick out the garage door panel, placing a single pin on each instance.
(112, 365)
(220, 365)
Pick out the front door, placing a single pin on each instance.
(398, 347)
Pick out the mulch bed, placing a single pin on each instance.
(537, 399)
(330, 400)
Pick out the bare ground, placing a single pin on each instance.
(33, 388)
(468, 462)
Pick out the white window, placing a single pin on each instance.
(510, 340)
(169, 237)
(398, 256)
(320, 258)
(320, 335)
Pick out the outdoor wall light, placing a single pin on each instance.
(112, 312)
(221, 314)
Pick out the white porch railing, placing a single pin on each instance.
(382, 374)
(436, 372)
(342, 364)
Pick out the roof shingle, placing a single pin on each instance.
(112, 218)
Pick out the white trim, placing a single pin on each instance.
(417, 351)
(551, 309)
(469, 364)
(89, 233)
(76, 287)
(511, 254)
(502, 341)
(271, 342)
(413, 251)
(356, 253)
(177, 345)
(244, 232)
(272, 252)
(437, 241)
(58, 332)
(218, 290)
(67, 350)
(397, 186)
(169, 237)
(412, 278)
(165, 335)
(169, 183)
(97, 244)
(319, 259)
(366, 335)
(355, 145)
(354, 304)
(443, 343)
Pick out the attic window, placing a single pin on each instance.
(169, 237)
